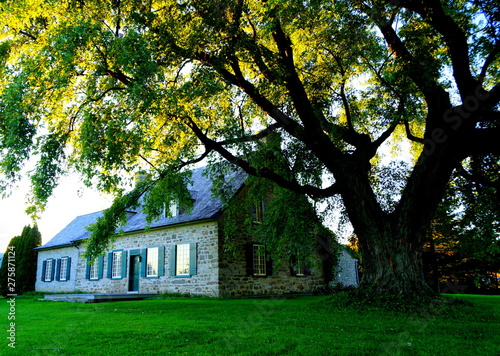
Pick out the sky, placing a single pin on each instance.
(70, 199)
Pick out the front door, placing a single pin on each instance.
(135, 272)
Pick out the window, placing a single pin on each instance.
(48, 270)
(171, 209)
(298, 267)
(258, 212)
(257, 263)
(152, 262)
(117, 264)
(259, 260)
(63, 270)
(94, 270)
(183, 260)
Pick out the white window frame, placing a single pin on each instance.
(63, 269)
(258, 217)
(182, 262)
(116, 267)
(300, 268)
(48, 270)
(152, 262)
(171, 209)
(94, 270)
(259, 260)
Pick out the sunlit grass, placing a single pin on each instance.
(301, 326)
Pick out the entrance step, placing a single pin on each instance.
(96, 298)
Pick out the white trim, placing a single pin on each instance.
(259, 260)
(49, 264)
(152, 262)
(182, 259)
(116, 266)
(63, 269)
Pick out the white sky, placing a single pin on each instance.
(69, 200)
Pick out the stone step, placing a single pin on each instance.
(95, 298)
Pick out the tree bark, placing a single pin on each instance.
(391, 243)
(392, 264)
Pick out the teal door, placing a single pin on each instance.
(135, 272)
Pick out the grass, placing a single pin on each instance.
(202, 326)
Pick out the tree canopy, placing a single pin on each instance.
(128, 86)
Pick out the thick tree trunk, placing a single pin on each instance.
(392, 264)
(391, 242)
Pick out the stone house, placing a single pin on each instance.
(183, 253)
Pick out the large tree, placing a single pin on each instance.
(128, 86)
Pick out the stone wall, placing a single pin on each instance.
(236, 281)
(233, 274)
(204, 282)
(55, 286)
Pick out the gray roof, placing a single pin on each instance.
(205, 207)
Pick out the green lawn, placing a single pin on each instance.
(301, 326)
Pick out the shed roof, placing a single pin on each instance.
(205, 206)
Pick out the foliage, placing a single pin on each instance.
(111, 89)
(279, 326)
(20, 254)
(466, 233)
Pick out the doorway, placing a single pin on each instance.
(135, 273)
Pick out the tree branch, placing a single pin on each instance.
(489, 60)
(122, 77)
(432, 11)
(263, 172)
(22, 32)
(409, 135)
(103, 94)
(252, 138)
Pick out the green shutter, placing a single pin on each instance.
(269, 263)
(44, 268)
(249, 259)
(87, 269)
(110, 264)
(269, 266)
(192, 259)
(172, 261)
(100, 271)
(124, 264)
(58, 269)
(293, 265)
(68, 269)
(144, 261)
(161, 261)
(53, 270)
